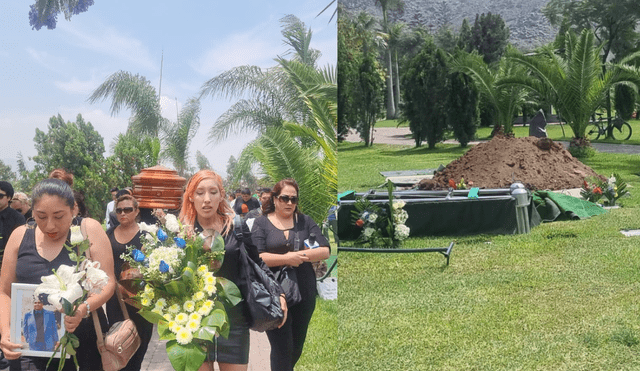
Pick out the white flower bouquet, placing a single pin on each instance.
(181, 293)
(69, 286)
(382, 227)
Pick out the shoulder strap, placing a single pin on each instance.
(237, 227)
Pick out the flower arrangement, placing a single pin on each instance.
(181, 293)
(382, 226)
(611, 189)
(68, 287)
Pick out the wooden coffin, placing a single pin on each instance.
(158, 187)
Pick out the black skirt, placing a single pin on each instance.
(235, 348)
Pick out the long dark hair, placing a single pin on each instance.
(269, 206)
(53, 187)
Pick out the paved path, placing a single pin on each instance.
(401, 136)
(156, 357)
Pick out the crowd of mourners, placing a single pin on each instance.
(34, 231)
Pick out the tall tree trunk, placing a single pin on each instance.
(396, 86)
(390, 101)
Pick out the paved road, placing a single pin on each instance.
(401, 136)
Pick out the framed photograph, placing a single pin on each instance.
(36, 326)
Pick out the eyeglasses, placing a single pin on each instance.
(286, 199)
(126, 210)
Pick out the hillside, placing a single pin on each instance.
(527, 25)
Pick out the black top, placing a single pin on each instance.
(119, 249)
(231, 267)
(30, 266)
(253, 203)
(268, 238)
(10, 219)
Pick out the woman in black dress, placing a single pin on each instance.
(205, 208)
(281, 235)
(127, 233)
(32, 252)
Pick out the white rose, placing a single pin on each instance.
(172, 223)
(373, 217)
(368, 232)
(402, 232)
(76, 235)
(398, 204)
(151, 228)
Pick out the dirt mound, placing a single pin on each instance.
(537, 163)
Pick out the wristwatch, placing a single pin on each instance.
(88, 309)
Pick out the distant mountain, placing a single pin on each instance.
(528, 27)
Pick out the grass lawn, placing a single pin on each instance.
(563, 297)
(554, 131)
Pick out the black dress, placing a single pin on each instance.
(235, 348)
(114, 311)
(287, 342)
(30, 267)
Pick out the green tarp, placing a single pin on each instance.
(556, 206)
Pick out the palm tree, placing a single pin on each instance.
(273, 99)
(505, 100)
(305, 151)
(575, 84)
(134, 92)
(178, 136)
(386, 5)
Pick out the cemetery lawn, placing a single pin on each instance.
(563, 297)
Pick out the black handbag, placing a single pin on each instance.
(263, 292)
(288, 280)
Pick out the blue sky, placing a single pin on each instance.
(48, 72)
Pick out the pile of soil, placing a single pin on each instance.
(537, 163)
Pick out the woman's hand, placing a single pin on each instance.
(72, 322)
(8, 348)
(285, 309)
(295, 258)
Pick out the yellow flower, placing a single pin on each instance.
(145, 301)
(182, 318)
(202, 270)
(209, 279)
(193, 326)
(204, 310)
(210, 289)
(174, 308)
(172, 326)
(195, 317)
(184, 336)
(198, 296)
(161, 303)
(189, 306)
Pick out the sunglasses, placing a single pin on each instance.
(126, 210)
(2, 195)
(286, 199)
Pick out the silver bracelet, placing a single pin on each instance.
(88, 309)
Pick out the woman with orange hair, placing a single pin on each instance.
(204, 208)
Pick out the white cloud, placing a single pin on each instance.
(44, 59)
(109, 41)
(258, 47)
(76, 86)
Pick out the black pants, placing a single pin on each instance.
(287, 342)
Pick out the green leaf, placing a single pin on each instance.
(205, 333)
(218, 243)
(215, 321)
(163, 331)
(67, 307)
(176, 288)
(187, 275)
(218, 310)
(229, 291)
(151, 316)
(185, 357)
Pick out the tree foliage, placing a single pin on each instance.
(463, 108)
(575, 84)
(131, 154)
(489, 36)
(425, 91)
(6, 173)
(45, 12)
